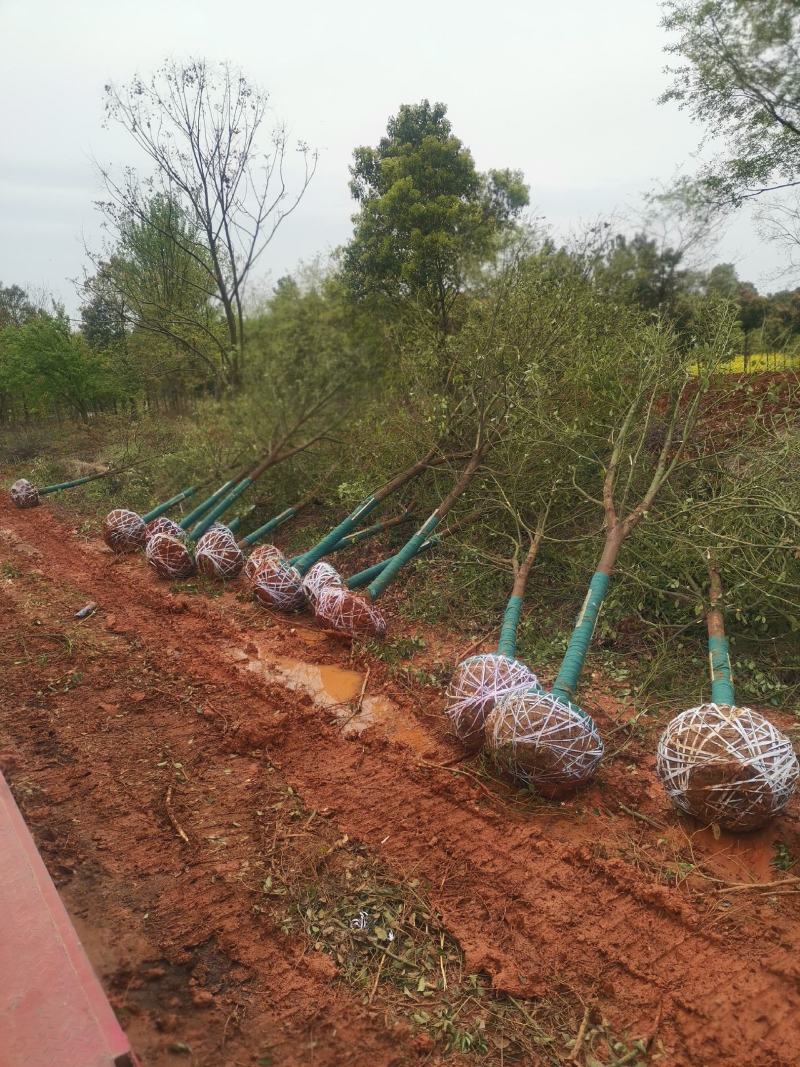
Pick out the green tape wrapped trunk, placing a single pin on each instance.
(566, 683)
(407, 552)
(719, 658)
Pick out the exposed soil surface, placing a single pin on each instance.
(275, 854)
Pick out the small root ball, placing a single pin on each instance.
(543, 741)
(278, 585)
(24, 494)
(218, 556)
(349, 613)
(259, 555)
(163, 524)
(726, 765)
(169, 557)
(477, 684)
(124, 531)
(319, 577)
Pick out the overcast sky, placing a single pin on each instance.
(565, 91)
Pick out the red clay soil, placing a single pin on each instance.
(146, 747)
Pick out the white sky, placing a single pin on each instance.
(566, 91)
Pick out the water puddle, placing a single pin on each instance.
(339, 690)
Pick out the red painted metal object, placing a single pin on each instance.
(53, 1012)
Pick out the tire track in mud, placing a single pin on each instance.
(538, 915)
(196, 904)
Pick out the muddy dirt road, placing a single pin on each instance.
(274, 855)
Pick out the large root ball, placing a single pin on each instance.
(124, 531)
(24, 494)
(319, 577)
(277, 584)
(169, 557)
(218, 556)
(726, 765)
(259, 555)
(165, 525)
(543, 741)
(349, 613)
(477, 684)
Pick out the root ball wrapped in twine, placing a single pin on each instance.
(259, 555)
(349, 613)
(218, 556)
(543, 741)
(278, 585)
(727, 765)
(219, 527)
(124, 531)
(24, 494)
(163, 524)
(169, 557)
(477, 684)
(321, 576)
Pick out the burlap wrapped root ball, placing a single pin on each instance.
(124, 531)
(321, 576)
(726, 765)
(259, 555)
(543, 741)
(24, 494)
(277, 584)
(163, 524)
(169, 557)
(218, 556)
(477, 684)
(349, 613)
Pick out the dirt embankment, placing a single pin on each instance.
(217, 792)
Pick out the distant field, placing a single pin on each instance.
(758, 362)
(761, 361)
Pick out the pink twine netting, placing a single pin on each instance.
(24, 494)
(259, 555)
(169, 557)
(349, 613)
(319, 577)
(477, 684)
(163, 524)
(726, 765)
(277, 584)
(218, 556)
(543, 741)
(124, 531)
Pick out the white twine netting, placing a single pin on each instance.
(259, 555)
(726, 765)
(277, 584)
(319, 577)
(543, 741)
(218, 556)
(124, 531)
(163, 524)
(477, 684)
(24, 494)
(219, 527)
(349, 613)
(169, 557)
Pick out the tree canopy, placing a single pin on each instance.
(427, 216)
(739, 76)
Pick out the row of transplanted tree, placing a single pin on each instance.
(444, 311)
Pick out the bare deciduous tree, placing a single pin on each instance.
(199, 125)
